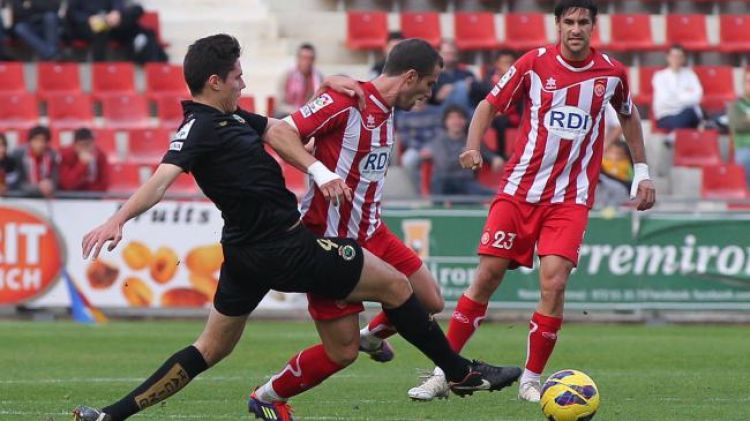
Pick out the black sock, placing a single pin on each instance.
(416, 326)
(172, 376)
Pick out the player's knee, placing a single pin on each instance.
(399, 289)
(344, 355)
(213, 351)
(435, 303)
(554, 284)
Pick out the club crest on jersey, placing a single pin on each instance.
(370, 122)
(372, 167)
(316, 105)
(238, 118)
(551, 83)
(347, 253)
(182, 134)
(599, 89)
(567, 121)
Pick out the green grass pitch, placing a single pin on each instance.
(643, 372)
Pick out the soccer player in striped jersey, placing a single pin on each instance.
(548, 187)
(356, 145)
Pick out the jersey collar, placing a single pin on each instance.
(575, 66)
(374, 96)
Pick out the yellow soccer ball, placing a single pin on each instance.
(569, 395)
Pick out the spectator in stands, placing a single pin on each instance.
(414, 130)
(677, 93)
(394, 37)
(37, 165)
(83, 166)
(300, 82)
(7, 165)
(99, 21)
(447, 175)
(616, 174)
(37, 23)
(455, 82)
(739, 126)
(4, 55)
(508, 119)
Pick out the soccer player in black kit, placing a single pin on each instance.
(265, 246)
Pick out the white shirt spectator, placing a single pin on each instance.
(676, 91)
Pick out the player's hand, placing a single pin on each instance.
(336, 191)
(344, 85)
(470, 159)
(646, 196)
(94, 241)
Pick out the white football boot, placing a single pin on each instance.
(434, 386)
(530, 391)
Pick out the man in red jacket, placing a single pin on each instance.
(83, 166)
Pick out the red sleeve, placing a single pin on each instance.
(322, 114)
(72, 171)
(102, 173)
(512, 86)
(621, 100)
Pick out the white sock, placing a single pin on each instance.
(367, 339)
(267, 394)
(530, 376)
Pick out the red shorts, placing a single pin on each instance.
(386, 246)
(513, 229)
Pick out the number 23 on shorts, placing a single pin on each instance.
(500, 239)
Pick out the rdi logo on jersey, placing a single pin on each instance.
(567, 122)
(372, 166)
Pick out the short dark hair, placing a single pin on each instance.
(677, 47)
(412, 53)
(395, 35)
(306, 46)
(84, 133)
(454, 108)
(563, 6)
(212, 55)
(40, 131)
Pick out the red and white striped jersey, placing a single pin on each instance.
(357, 146)
(558, 152)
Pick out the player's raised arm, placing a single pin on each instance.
(149, 194)
(285, 140)
(480, 121)
(642, 188)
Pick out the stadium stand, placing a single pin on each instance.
(688, 30)
(630, 32)
(733, 31)
(112, 79)
(524, 31)
(169, 112)
(366, 30)
(12, 79)
(125, 111)
(147, 145)
(164, 79)
(18, 111)
(425, 25)
(475, 31)
(57, 79)
(718, 86)
(724, 181)
(695, 148)
(71, 111)
(127, 176)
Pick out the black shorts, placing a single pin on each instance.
(299, 261)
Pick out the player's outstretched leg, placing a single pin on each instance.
(217, 340)
(373, 336)
(380, 282)
(468, 315)
(544, 324)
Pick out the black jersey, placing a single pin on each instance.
(225, 154)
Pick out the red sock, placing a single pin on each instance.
(464, 321)
(305, 370)
(542, 339)
(380, 326)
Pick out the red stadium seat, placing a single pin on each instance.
(125, 111)
(270, 106)
(596, 39)
(425, 177)
(366, 30)
(150, 20)
(70, 111)
(296, 180)
(424, 25)
(247, 103)
(12, 80)
(733, 31)
(126, 177)
(147, 145)
(475, 31)
(724, 182)
(18, 111)
(688, 30)
(57, 79)
(112, 79)
(164, 79)
(718, 86)
(645, 88)
(525, 31)
(696, 148)
(630, 32)
(169, 112)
